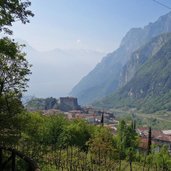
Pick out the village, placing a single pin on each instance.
(69, 107)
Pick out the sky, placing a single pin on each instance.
(86, 24)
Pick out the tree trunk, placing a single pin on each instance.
(130, 164)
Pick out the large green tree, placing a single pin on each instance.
(127, 142)
(14, 69)
(13, 66)
(12, 11)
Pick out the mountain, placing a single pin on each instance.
(139, 57)
(106, 76)
(149, 86)
(55, 72)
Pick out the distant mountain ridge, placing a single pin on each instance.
(106, 77)
(149, 88)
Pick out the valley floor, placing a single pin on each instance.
(160, 120)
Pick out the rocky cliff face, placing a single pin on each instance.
(139, 57)
(149, 89)
(106, 77)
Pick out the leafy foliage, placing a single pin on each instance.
(12, 11)
(46, 139)
(10, 120)
(14, 68)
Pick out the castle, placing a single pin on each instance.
(68, 103)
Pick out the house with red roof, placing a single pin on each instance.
(158, 137)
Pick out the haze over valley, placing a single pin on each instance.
(55, 72)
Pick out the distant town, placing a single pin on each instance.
(69, 107)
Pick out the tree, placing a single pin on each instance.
(102, 119)
(12, 11)
(101, 147)
(126, 142)
(13, 65)
(78, 128)
(55, 136)
(14, 68)
(149, 141)
(163, 160)
(10, 123)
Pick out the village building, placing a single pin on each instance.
(158, 137)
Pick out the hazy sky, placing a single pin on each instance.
(88, 24)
